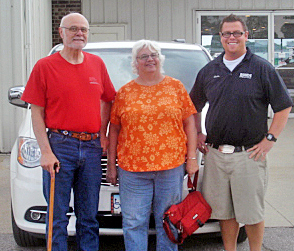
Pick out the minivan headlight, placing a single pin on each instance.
(29, 152)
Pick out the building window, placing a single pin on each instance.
(257, 27)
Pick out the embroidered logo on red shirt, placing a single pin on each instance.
(93, 81)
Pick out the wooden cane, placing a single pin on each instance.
(51, 207)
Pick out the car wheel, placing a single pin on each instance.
(242, 235)
(23, 238)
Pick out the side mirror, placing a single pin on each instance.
(14, 95)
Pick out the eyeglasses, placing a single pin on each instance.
(75, 29)
(145, 56)
(235, 34)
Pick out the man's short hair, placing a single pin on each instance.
(72, 13)
(230, 19)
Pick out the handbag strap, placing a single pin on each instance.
(166, 226)
(193, 185)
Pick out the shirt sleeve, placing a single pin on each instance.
(188, 107)
(197, 94)
(278, 95)
(35, 90)
(109, 91)
(116, 109)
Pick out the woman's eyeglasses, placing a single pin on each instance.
(145, 56)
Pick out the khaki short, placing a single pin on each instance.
(235, 186)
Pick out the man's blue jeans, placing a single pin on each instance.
(141, 193)
(80, 170)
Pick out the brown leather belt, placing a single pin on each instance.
(77, 135)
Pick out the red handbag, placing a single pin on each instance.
(188, 215)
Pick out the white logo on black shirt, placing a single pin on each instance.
(216, 76)
(245, 75)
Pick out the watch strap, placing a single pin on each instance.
(270, 137)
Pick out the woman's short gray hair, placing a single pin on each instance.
(152, 46)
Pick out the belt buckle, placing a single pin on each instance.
(83, 136)
(226, 148)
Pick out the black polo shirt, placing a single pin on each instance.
(239, 100)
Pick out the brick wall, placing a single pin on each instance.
(59, 9)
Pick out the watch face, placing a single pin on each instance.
(269, 137)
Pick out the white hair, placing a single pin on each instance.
(152, 46)
(71, 14)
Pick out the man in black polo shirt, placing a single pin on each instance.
(239, 86)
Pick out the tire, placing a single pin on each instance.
(242, 235)
(23, 238)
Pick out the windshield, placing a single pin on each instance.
(180, 64)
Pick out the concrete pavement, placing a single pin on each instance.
(5, 219)
(280, 193)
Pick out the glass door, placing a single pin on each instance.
(284, 49)
(283, 39)
(257, 23)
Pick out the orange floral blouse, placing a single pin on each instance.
(151, 137)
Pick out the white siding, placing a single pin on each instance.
(178, 19)
(220, 4)
(137, 19)
(151, 22)
(274, 4)
(124, 10)
(27, 28)
(165, 20)
(286, 4)
(7, 73)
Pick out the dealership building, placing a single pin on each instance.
(29, 29)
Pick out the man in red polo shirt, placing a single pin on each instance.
(65, 91)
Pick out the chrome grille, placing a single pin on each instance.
(104, 168)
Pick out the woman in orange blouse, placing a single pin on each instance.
(152, 133)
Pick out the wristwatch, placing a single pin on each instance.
(270, 137)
